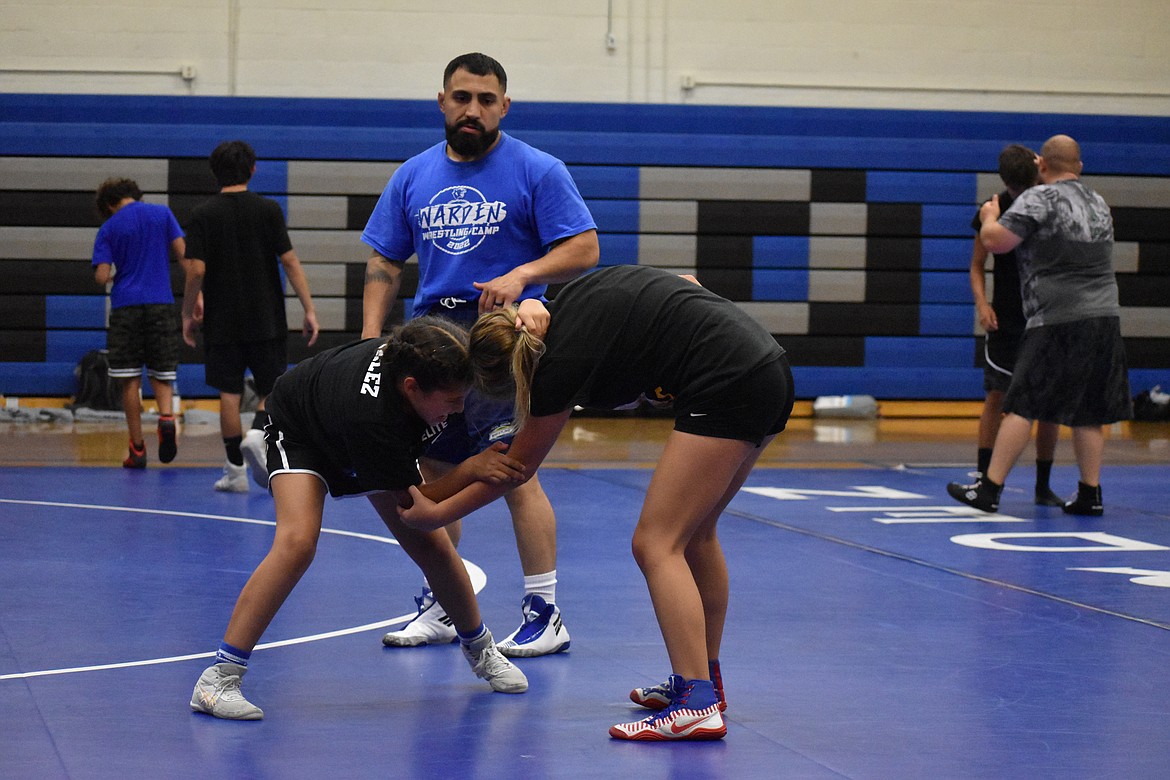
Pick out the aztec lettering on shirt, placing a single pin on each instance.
(457, 219)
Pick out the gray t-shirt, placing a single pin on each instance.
(1066, 256)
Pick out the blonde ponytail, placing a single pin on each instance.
(504, 359)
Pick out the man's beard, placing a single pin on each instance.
(470, 145)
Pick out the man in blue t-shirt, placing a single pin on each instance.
(493, 221)
(134, 248)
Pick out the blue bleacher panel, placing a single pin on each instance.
(75, 311)
(916, 383)
(618, 248)
(780, 252)
(919, 187)
(942, 319)
(605, 181)
(69, 345)
(947, 254)
(946, 287)
(770, 284)
(911, 352)
(614, 216)
(948, 220)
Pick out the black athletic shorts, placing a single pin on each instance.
(752, 409)
(999, 360)
(225, 364)
(286, 456)
(1072, 374)
(144, 335)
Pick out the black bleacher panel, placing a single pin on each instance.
(22, 346)
(1131, 224)
(723, 252)
(1153, 258)
(894, 219)
(823, 351)
(753, 218)
(355, 280)
(734, 284)
(893, 287)
(181, 204)
(358, 210)
(40, 277)
(48, 209)
(22, 312)
(190, 175)
(1147, 353)
(862, 319)
(834, 186)
(893, 254)
(1144, 290)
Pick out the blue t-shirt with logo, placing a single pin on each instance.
(473, 221)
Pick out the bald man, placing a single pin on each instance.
(1071, 368)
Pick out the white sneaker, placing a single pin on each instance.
(541, 633)
(488, 664)
(255, 451)
(218, 693)
(430, 626)
(234, 479)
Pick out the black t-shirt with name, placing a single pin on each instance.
(344, 402)
(240, 236)
(626, 331)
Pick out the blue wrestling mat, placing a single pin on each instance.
(877, 629)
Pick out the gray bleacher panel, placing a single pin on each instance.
(1145, 322)
(725, 183)
(329, 246)
(778, 317)
(668, 216)
(339, 178)
(663, 250)
(840, 286)
(79, 173)
(318, 211)
(837, 219)
(326, 280)
(832, 252)
(330, 313)
(46, 243)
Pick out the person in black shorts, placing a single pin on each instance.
(607, 339)
(1002, 319)
(353, 421)
(134, 249)
(234, 240)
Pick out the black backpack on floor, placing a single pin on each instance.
(95, 388)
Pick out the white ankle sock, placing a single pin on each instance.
(543, 585)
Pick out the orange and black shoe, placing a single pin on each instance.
(167, 447)
(137, 457)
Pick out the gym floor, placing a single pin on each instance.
(877, 629)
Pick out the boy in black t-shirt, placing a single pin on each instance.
(233, 242)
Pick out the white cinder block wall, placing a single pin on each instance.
(1091, 56)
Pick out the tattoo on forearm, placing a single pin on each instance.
(379, 275)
